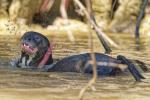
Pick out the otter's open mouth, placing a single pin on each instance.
(28, 49)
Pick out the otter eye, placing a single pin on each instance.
(37, 38)
(29, 39)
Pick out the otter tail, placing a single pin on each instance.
(132, 68)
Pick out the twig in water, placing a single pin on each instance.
(93, 80)
(101, 37)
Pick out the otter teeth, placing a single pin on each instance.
(28, 47)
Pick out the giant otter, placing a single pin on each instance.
(36, 52)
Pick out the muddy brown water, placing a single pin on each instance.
(31, 85)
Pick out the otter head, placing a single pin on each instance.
(34, 47)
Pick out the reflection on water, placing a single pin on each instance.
(29, 85)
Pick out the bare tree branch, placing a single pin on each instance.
(103, 37)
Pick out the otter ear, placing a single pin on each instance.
(37, 38)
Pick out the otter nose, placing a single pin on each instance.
(25, 43)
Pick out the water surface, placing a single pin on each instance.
(32, 85)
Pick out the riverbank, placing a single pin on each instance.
(8, 27)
